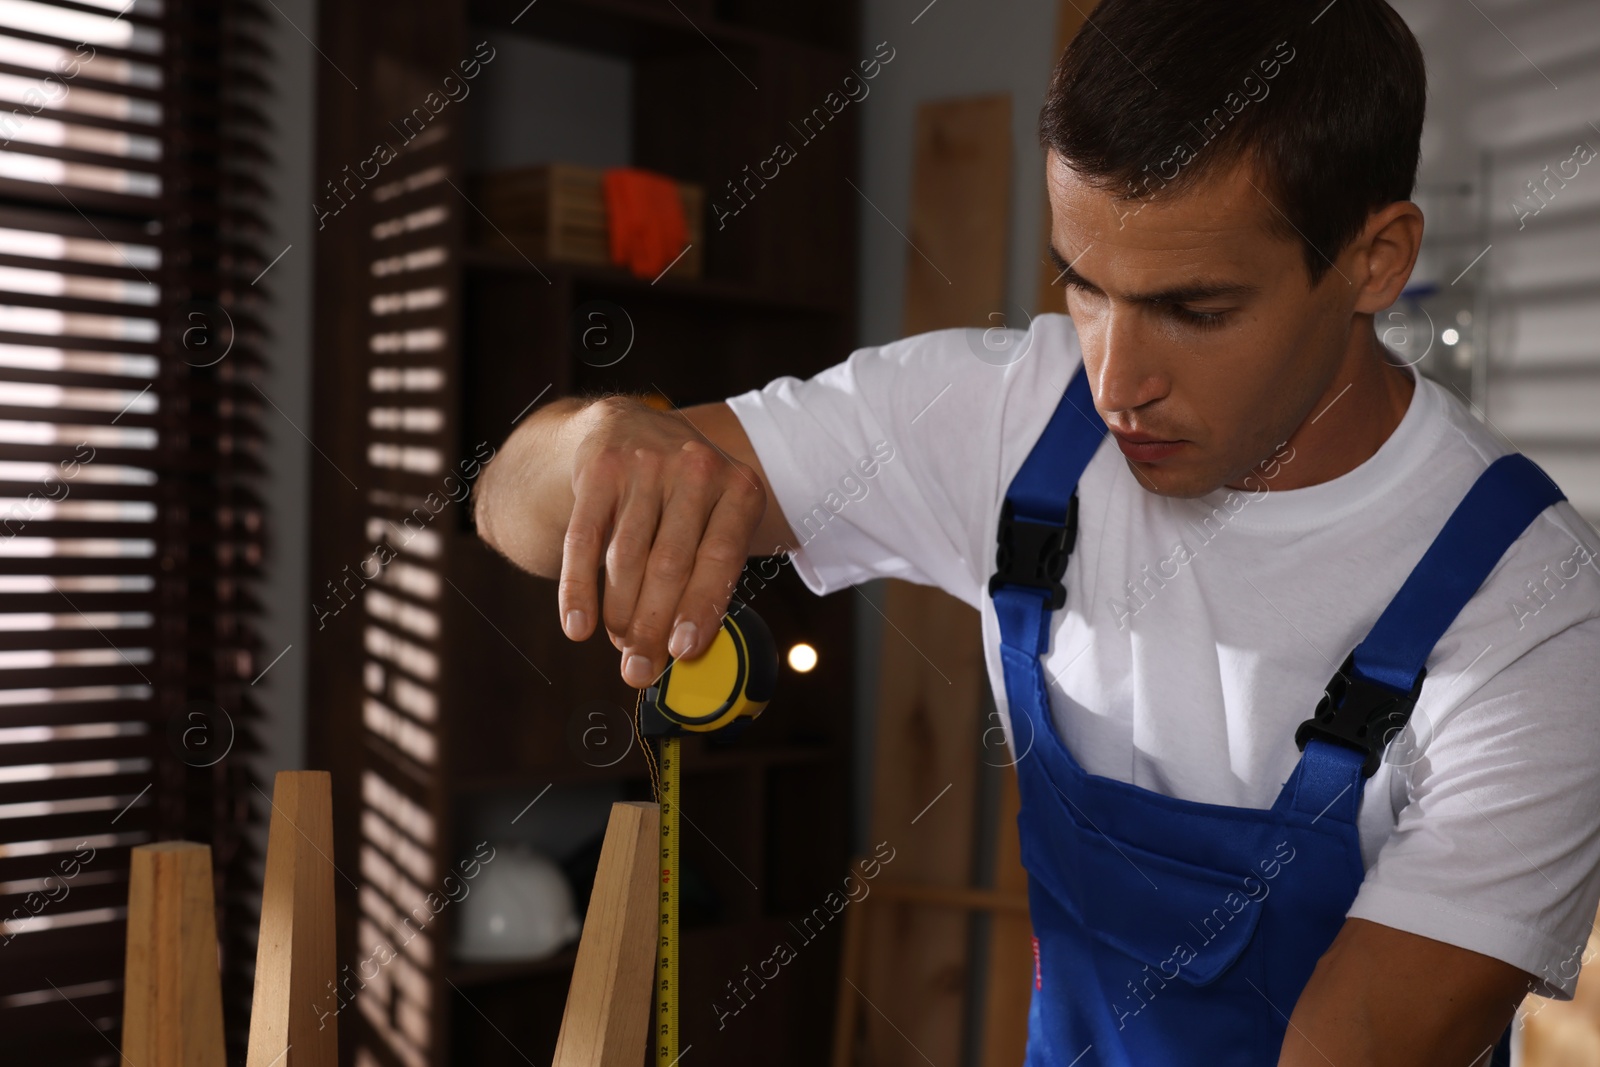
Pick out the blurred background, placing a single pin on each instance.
(277, 278)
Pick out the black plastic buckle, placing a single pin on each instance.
(1360, 714)
(1033, 553)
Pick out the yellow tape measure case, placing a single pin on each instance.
(722, 689)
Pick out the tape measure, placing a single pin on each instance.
(722, 689)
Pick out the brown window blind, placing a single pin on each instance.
(130, 535)
(407, 241)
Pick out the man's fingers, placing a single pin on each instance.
(671, 562)
(626, 556)
(669, 523)
(581, 551)
(724, 547)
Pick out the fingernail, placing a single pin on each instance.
(682, 638)
(574, 622)
(636, 669)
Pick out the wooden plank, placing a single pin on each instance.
(1009, 964)
(960, 213)
(848, 1011)
(931, 674)
(926, 754)
(172, 990)
(1070, 17)
(607, 1019)
(291, 1024)
(1009, 987)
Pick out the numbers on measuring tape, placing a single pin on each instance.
(666, 960)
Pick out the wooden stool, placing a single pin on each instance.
(607, 1019)
(172, 997)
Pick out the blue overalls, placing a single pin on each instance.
(1175, 932)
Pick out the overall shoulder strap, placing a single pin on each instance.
(1038, 520)
(1049, 476)
(1501, 504)
(1371, 696)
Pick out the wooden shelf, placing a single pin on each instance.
(770, 813)
(636, 29)
(593, 278)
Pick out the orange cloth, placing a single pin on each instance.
(644, 220)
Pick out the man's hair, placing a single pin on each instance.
(1325, 99)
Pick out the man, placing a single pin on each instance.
(1262, 509)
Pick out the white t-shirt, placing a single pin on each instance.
(1481, 829)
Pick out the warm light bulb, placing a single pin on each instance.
(802, 657)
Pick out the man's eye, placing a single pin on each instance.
(1201, 319)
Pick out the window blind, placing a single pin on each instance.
(130, 534)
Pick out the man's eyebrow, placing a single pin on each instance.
(1181, 294)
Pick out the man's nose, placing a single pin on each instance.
(1124, 370)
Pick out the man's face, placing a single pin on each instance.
(1205, 346)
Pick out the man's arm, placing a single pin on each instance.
(669, 503)
(1381, 996)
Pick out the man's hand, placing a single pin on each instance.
(1382, 997)
(670, 503)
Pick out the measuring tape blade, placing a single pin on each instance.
(667, 948)
(721, 690)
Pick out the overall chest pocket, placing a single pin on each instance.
(1187, 922)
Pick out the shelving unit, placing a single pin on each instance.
(442, 689)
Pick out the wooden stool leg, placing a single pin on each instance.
(172, 996)
(293, 1017)
(607, 1019)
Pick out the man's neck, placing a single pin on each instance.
(1361, 407)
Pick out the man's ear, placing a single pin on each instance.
(1383, 256)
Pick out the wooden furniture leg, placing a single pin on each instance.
(172, 993)
(607, 1018)
(293, 1017)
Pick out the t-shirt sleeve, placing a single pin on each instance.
(1497, 849)
(888, 465)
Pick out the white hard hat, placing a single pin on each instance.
(520, 908)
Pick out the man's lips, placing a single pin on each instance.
(1145, 448)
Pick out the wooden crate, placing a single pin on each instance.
(557, 211)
